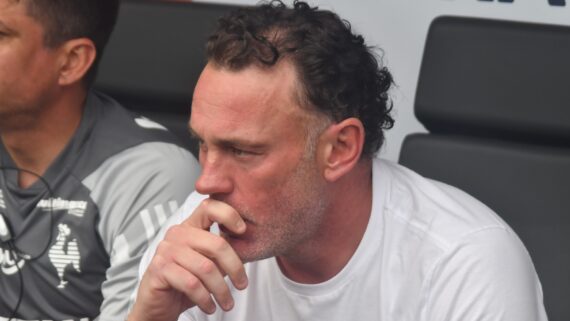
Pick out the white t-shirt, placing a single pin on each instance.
(430, 253)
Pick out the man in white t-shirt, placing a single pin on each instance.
(289, 112)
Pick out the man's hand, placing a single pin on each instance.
(189, 266)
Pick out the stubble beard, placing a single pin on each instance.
(299, 214)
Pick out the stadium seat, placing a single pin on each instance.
(495, 98)
(154, 58)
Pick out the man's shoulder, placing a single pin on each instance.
(146, 170)
(111, 137)
(440, 213)
(437, 238)
(113, 123)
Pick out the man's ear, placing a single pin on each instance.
(341, 147)
(77, 56)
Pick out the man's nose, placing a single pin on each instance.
(215, 177)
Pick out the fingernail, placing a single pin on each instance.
(228, 305)
(242, 283)
(210, 308)
(240, 225)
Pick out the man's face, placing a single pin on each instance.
(28, 74)
(254, 157)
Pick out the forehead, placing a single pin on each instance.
(252, 96)
(17, 13)
(12, 4)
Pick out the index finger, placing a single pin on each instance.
(212, 211)
(219, 250)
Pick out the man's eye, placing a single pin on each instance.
(239, 152)
(201, 145)
(4, 33)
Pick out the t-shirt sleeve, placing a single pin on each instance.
(136, 191)
(489, 276)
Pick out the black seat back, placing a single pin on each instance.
(495, 98)
(154, 58)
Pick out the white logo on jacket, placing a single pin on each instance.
(75, 208)
(63, 253)
(11, 262)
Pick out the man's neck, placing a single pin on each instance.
(35, 146)
(321, 258)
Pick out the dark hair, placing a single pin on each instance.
(339, 74)
(68, 19)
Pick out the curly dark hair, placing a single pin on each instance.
(339, 74)
(63, 20)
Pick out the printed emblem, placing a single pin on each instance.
(75, 208)
(2, 203)
(63, 253)
(11, 262)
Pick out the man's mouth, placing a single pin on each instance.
(228, 233)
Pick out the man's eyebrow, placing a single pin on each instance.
(241, 143)
(230, 142)
(193, 134)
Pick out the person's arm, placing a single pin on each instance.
(488, 277)
(189, 266)
(136, 191)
